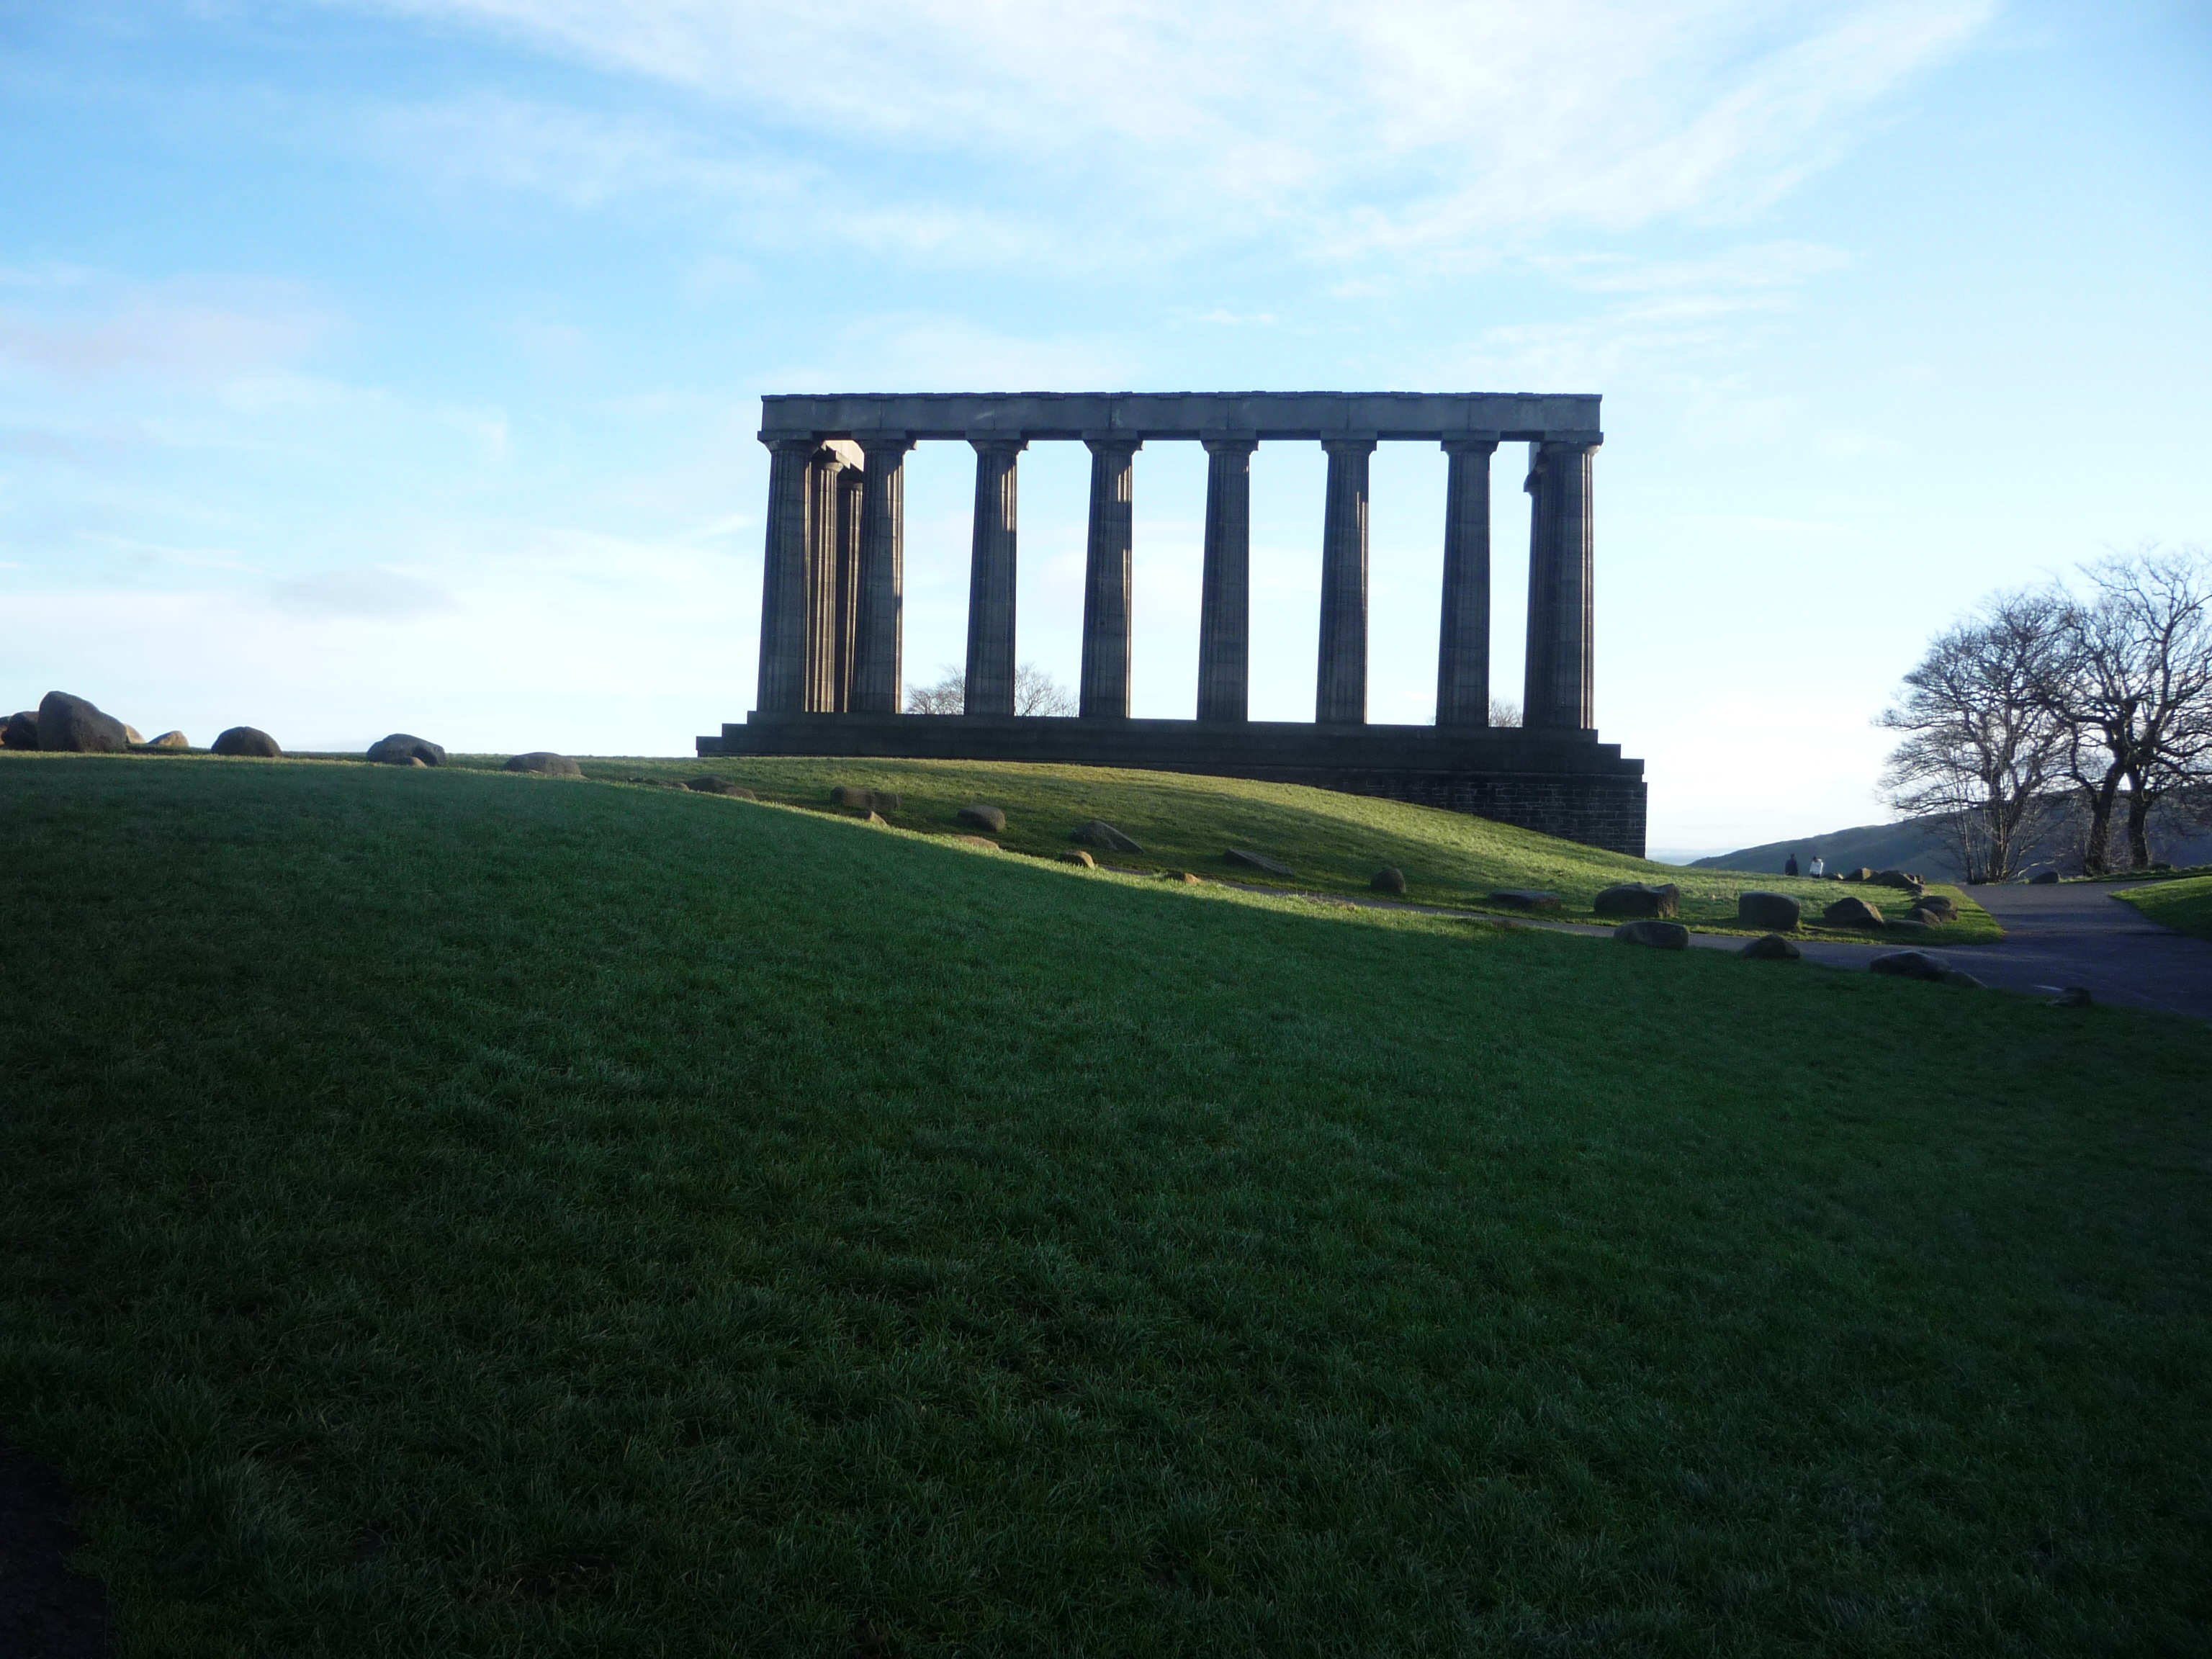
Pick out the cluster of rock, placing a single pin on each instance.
(1781, 913)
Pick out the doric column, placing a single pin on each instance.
(1463, 639)
(850, 485)
(877, 628)
(1558, 690)
(1105, 689)
(1225, 611)
(782, 688)
(1340, 685)
(822, 562)
(990, 687)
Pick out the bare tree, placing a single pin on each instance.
(1503, 711)
(1036, 692)
(1983, 746)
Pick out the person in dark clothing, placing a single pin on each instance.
(1790, 865)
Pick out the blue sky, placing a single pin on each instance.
(395, 365)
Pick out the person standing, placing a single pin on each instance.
(1790, 865)
(1820, 867)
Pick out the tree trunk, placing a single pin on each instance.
(2097, 845)
(2140, 801)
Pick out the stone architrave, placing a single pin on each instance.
(1104, 693)
(1224, 613)
(1340, 681)
(783, 579)
(990, 682)
(878, 628)
(1463, 634)
(1556, 692)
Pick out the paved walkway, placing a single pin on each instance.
(2074, 934)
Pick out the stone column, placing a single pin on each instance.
(850, 487)
(1340, 685)
(822, 578)
(1463, 639)
(782, 688)
(991, 579)
(1225, 611)
(1105, 688)
(1557, 693)
(877, 628)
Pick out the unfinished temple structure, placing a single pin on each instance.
(831, 663)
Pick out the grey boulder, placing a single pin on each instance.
(1631, 898)
(244, 740)
(21, 730)
(1525, 898)
(545, 764)
(171, 740)
(1388, 879)
(1852, 913)
(1659, 935)
(1099, 833)
(2043, 878)
(402, 749)
(1076, 855)
(720, 787)
(1259, 861)
(1909, 965)
(989, 819)
(862, 799)
(1777, 911)
(1771, 947)
(71, 725)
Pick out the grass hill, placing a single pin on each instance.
(1918, 845)
(476, 1214)
(1334, 843)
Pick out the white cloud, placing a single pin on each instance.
(1421, 128)
(195, 334)
(380, 595)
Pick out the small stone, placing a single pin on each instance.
(1659, 935)
(70, 724)
(992, 820)
(21, 730)
(246, 741)
(546, 764)
(983, 842)
(1388, 879)
(2043, 878)
(1525, 898)
(403, 749)
(1077, 855)
(876, 819)
(1631, 898)
(1191, 877)
(1099, 833)
(714, 787)
(1777, 911)
(1257, 861)
(171, 740)
(1852, 913)
(1909, 964)
(1771, 947)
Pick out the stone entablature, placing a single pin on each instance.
(833, 579)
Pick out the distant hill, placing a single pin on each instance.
(1919, 845)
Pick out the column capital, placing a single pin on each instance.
(1351, 443)
(1572, 440)
(883, 443)
(1472, 443)
(1009, 445)
(1112, 442)
(801, 446)
(1229, 443)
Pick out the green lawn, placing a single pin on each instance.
(1335, 843)
(460, 1214)
(2184, 905)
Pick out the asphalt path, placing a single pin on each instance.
(2075, 933)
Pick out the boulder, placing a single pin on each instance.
(1099, 833)
(716, 787)
(402, 749)
(984, 841)
(1257, 861)
(171, 740)
(1659, 935)
(1937, 905)
(1777, 911)
(1388, 879)
(71, 725)
(992, 820)
(545, 764)
(246, 740)
(1631, 898)
(1077, 855)
(1910, 927)
(1191, 877)
(884, 800)
(866, 800)
(1852, 913)
(2043, 878)
(1909, 964)
(1860, 874)
(1771, 947)
(132, 735)
(1525, 898)
(1897, 878)
(21, 730)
